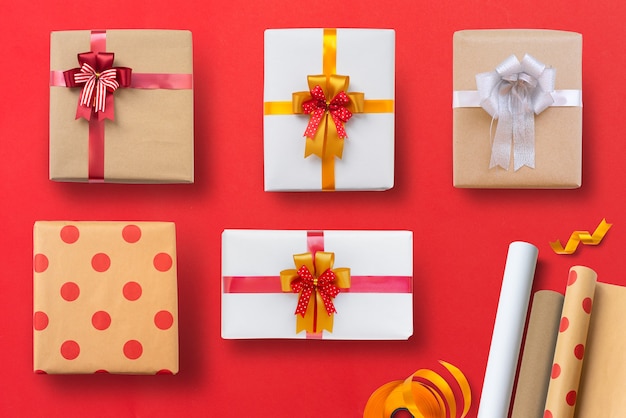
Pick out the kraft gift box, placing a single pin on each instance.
(358, 62)
(263, 284)
(550, 59)
(144, 134)
(105, 298)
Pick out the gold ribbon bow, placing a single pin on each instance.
(315, 319)
(326, 143)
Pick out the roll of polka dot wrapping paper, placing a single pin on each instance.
(571, 343)
(105, 297)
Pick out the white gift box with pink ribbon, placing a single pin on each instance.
(378, 305)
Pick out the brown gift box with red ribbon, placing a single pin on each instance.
(121, 106)
(105, 297)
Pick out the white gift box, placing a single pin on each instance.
(377, 306)
(367, 56)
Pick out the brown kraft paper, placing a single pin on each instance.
(534, 374)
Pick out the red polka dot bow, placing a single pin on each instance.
(327, 97)
(318, 283)
(317, 107)
(306, 284)
(99, 79)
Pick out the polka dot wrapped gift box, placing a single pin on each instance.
(105, 297)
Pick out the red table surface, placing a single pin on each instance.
(460, 236)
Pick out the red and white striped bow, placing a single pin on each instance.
(98, 83)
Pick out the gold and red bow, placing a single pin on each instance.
(317, 284)
(327, 99)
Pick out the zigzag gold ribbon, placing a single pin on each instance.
(582, 237)
(428, 397)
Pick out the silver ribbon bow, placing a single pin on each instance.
(514, 93)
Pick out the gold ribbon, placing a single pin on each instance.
(429, 397)
(315, 319)
(584, 237)
(332, 147)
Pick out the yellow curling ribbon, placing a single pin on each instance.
(315, 318)
(584, 237)
(430, 396)
(326, 144)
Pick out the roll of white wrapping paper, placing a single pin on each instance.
(508, 330)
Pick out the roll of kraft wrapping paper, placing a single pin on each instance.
(571, 343)
(536, 364)
(507, 331)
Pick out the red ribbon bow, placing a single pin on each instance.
(99, 80)
(324, 285)
(317, 107)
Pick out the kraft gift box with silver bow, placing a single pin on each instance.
(517, 109)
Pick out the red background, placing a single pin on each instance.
(461, 236)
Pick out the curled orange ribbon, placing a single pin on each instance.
(311, 315)
(582, 236)
(424, 394)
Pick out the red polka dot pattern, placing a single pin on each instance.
(163, 320)
(131, 233)
(162, 262)
(570, 398)
(579, 351)
(70, 350)
(572, 277)
(133, 349)
(40, 321)
(40, 263)
(101, 262)
(101, 320)
(547, 414)
(564, 324)
(587, 302)
(70, 291)
(102, 273)
(556, 371)
(69, 234)
(132, 291)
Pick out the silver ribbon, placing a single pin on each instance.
(513, 94)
